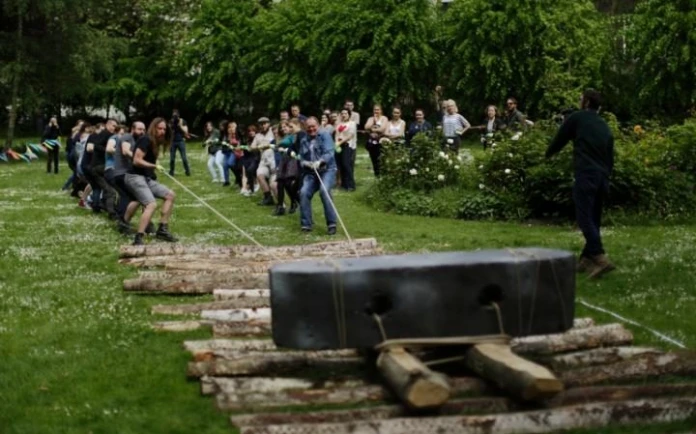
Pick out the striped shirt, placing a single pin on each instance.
(453, 123)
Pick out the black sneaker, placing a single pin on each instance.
(280, 210)
(226, 184)
(306, 229)
(164, 234)
(125, 228)
(188, 173)
(332, 230)
(293, 208)
(267, 200)
(150, 229)
(138, 240)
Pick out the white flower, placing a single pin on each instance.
(413, 172)
(427, 169)
(446, 157)
(456, 167)
(508, 171)
(481, 167)
(450, 162)
(441, 178)
(493, 145)
(481, 186)
(459, 157)
(450, 141)
(510, 155)
(442, 155)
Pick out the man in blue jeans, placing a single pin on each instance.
(593, 161)
(179, 135)
(317, 160)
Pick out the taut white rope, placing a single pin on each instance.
(660, 335)
(338, 216)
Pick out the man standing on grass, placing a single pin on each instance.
(179, 135)
(141, 182)
(97, 142)
(593, 161)
(317, 160)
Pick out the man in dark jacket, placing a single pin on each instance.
(593, 161)
(179, 135)
(52, 132)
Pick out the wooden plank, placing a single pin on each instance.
(597, 356)
(681, 363)
(573, 340)
(478, 405)
(521, 378)
(586, 416)
(128, 251)
(485, 405)
(180, 326)
(237, 315)
(233, 294)
(231, 395)
(414, 383)
(197, 308)
(201, 284)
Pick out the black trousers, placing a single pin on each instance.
(108, 194)
(375, 152)
(52, 158)
(345, 165)
(292, 187)
(588, 194)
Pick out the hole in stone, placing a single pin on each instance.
(379, 304)
(491, 294)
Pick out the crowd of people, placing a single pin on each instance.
(114, 166)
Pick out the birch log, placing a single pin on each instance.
(233, 294)
(238, 315)
(573, 339)
(197, 308)
(220, 270)
(180, 326)
(241, 345)
(586, 416)
(597, 356)
(240, 329)
(681, 363)
(414, 383)
(196, 284)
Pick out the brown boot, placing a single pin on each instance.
(600, 265)
(584, 263)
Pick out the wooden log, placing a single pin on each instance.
(229, 396)
(239, 329)
(597, 356)
(196, 284)
(219, 271)
(336, 357)
(197, 308)
(586, 416)
(190, 262)
(233, 294)
(253, 388)
(241, 345)
(573, 340)
(520, 377)
(681, 363)
(128, 251)
(583, 323)
(485, 405)
(478, 405)
(180, 326)
(414, 383)
(275, 362)
(237, 315)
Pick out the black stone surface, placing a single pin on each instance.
(426, 295)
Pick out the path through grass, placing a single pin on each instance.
(77, 353)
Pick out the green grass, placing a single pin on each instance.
(78, 355)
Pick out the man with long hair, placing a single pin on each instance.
(141, 181)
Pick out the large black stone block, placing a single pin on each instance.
(330, 304)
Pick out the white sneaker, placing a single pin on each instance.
(243, 191)
(247, 193)
(256, 188)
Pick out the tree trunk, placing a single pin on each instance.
(573, 339)
(598, 356)
(180, 326)
(262, 314)
(682, 363)
(187, 309)
(202, 284)
(587, 416)
(213, 345)
(414, 383)
(16, 79)
(521, 378)
(253, 328)
(234, 294)
(199, 268)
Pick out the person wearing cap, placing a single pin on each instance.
(265, 174)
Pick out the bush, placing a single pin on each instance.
(654, 176)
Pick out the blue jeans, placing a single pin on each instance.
(230, 161)
(588, 194)
(311, 185)
(181, 146)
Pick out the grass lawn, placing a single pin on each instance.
(78, 355)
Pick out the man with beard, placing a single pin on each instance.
(141, 181)
(103, 194)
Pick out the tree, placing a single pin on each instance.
(663, 44)
(544, 53)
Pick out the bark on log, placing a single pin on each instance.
(196, 284)
(233, 294)
(275, 362)
(681, 363)
(219, 271)
(197, 308)
(241, 345)
(414, 383)
(573, 340)
(190, 262)
(238, 315)
(128, 251)
(585, 416)
(485, 405)
(254, 388)
(598, 356)
(583, 395)
(520, 377)
(583, 323)
(230, 396)
(180, 326)
(236, 329)
(335, 356)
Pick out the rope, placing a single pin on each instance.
(338, 215)
(225, 219)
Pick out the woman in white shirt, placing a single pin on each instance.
(396, 127)
(376, 126)
(347, 140)
(454, 126)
